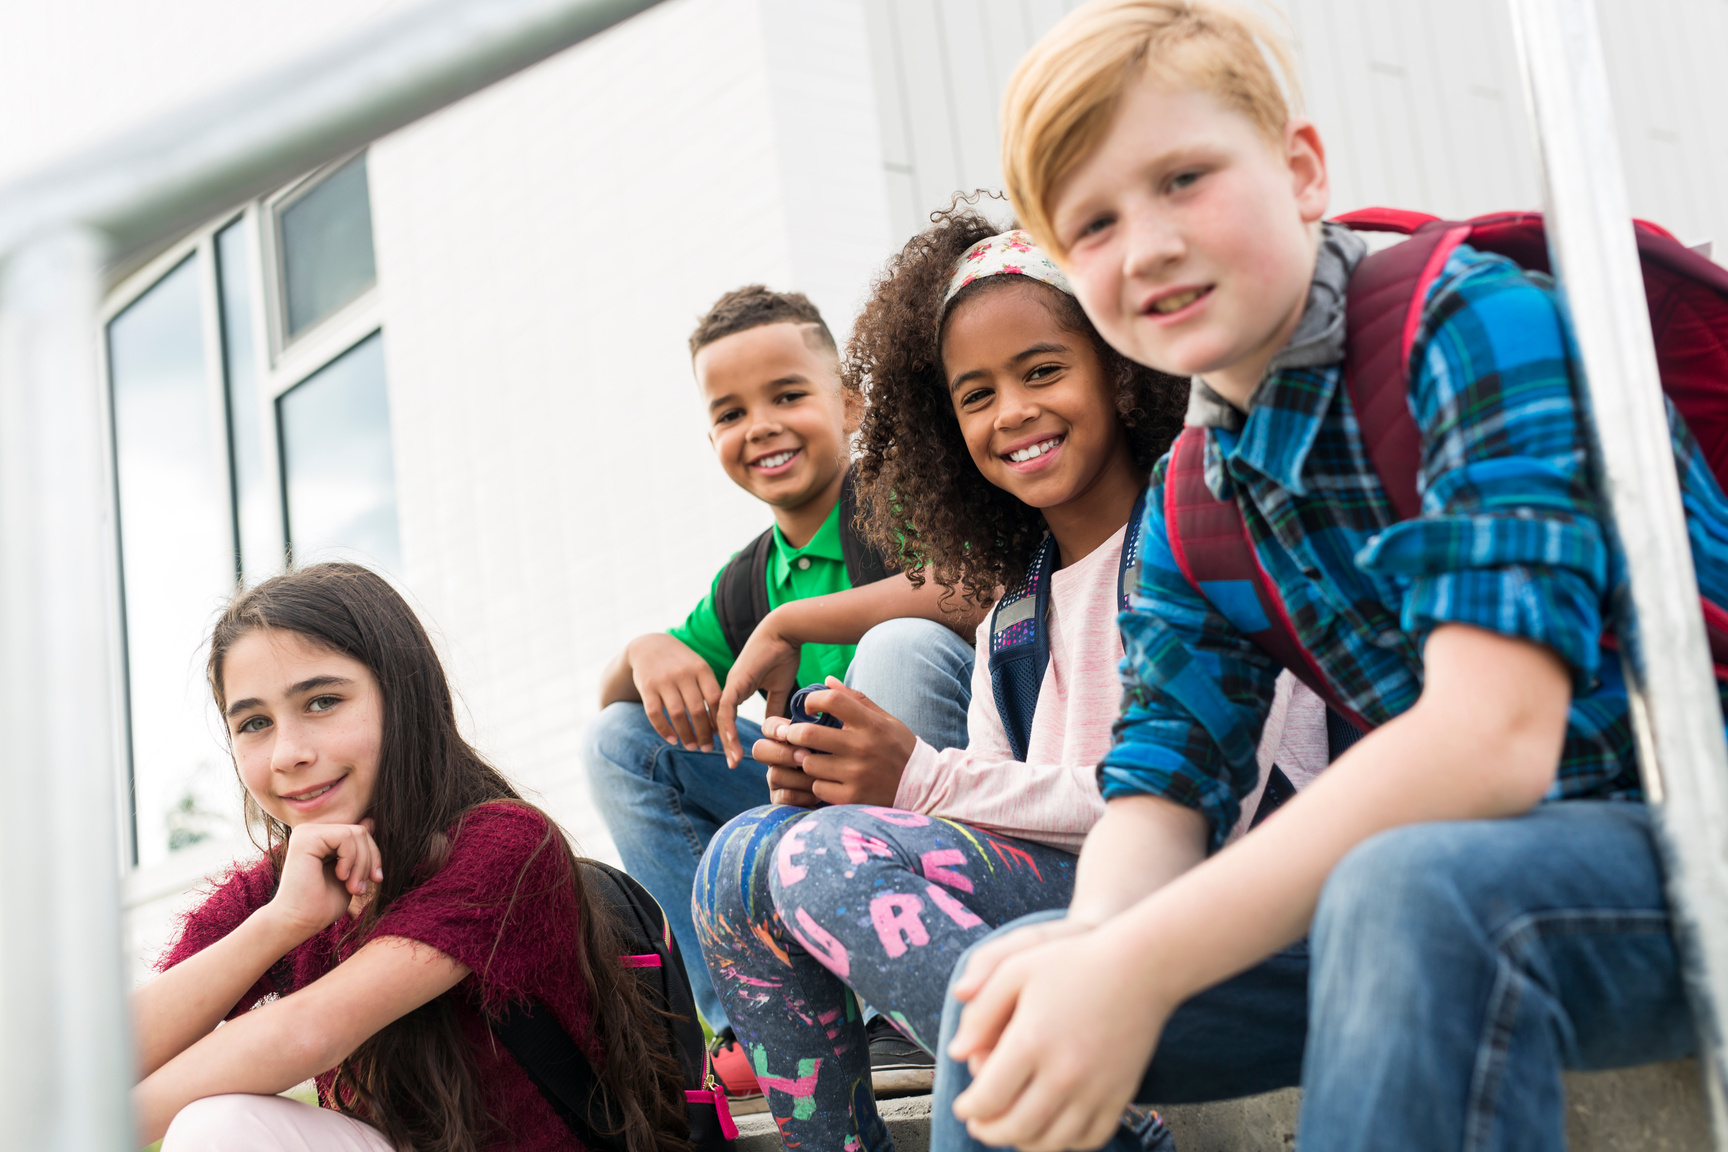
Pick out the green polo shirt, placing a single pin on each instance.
(816, 569)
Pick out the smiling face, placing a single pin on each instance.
(1035, 406)
(1190, 239)
(776, 417)
(306, 725)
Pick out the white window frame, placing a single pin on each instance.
(277, 369)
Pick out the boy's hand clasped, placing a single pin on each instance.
(675, 682)
(858, 763)
(1032, 1034)
(769, 662)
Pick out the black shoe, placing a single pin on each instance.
(898, 1067)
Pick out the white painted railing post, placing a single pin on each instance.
(66, 1060)
(1667, 660)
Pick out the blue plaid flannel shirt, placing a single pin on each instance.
(1510, 539)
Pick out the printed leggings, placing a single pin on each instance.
(797, 910)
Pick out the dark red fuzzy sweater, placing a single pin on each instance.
(464, 911)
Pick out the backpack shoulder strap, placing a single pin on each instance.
(560, 1070)
(1383, 313)
(1020, 648)
(864, 564)
(741, 599)
(1210, 543)
(1128, 575)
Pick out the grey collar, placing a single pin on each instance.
(1319, 337)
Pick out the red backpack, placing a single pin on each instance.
(1688, 297)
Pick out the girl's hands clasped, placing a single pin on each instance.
(325, 868)
(860, 762)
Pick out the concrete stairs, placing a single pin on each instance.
(1659, 1108)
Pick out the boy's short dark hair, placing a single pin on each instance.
(754, 305)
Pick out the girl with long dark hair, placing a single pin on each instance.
(406, 895)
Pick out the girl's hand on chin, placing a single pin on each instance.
(324, 868)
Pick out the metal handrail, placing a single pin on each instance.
(1675, 707)
(65, 1059)
(153, 182)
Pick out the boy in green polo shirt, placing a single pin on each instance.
(769, 374)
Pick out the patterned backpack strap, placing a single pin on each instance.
(1211, 545)
(1128, 576)
(1020, 648)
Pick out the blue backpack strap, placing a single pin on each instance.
(1019, 642)
(1020, 648)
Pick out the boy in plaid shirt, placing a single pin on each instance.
(1465, 902)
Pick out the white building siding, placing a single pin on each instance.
(542, 270)
(1421, 104)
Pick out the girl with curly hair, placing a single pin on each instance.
(1004, 447)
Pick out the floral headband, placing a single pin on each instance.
(1006, 254)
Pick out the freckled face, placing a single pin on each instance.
(1034, 405)
(306, 725)
(1188, 236)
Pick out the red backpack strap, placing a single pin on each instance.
(1399, 220)
(1210, 543)
(1383, 313)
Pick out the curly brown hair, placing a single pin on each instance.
(921, 495)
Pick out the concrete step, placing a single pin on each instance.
(1658, 1108)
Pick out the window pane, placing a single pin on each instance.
(337, 468)
(327, 246)
(177, 560)
(256, 509)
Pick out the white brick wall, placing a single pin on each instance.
(1421, 104)
(542, 269)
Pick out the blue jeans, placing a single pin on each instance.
(1457, 969)
(663, 804)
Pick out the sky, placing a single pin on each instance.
(76, 72)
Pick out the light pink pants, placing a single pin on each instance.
(241, 1123)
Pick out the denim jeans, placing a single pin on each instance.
(663, 804)
(1457, 968)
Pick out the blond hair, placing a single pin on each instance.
(1064, 94)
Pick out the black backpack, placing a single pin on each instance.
(741, 599)
(560, 1069)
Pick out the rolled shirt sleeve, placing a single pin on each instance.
(1196, 692)
(1509, 538)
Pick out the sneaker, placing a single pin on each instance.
(1149, 1128)
(732, 1066)
(898, 1067)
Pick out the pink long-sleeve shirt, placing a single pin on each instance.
(1052, 798)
